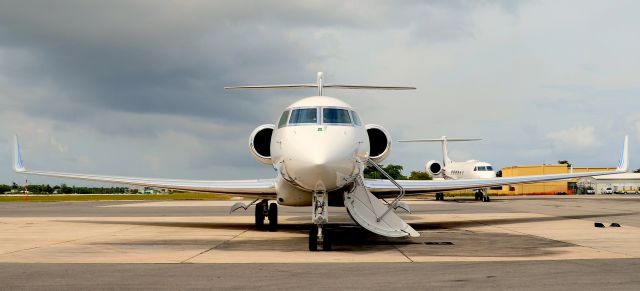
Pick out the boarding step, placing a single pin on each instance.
(370, 213)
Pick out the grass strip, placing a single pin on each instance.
(114, 197)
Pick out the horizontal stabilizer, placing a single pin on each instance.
(284, 86)
(439, 139)
(444, 140)
(296, 86)
(320, 85)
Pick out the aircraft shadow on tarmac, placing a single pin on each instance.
(507, 199)
(439, 238)
(498, 221)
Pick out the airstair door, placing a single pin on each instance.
(369, 212)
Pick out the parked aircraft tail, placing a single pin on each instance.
(623, 163)
(445, 152)
(18, 165)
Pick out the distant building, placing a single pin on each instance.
(553, 187)
(619, 183)
(148, 190)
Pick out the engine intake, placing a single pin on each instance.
(434, 168)
(260, 143)
(379, 142)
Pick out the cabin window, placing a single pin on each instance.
(335, 115)
(283, 119)
(304, 116)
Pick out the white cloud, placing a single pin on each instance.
(58, 145)
(575, 137)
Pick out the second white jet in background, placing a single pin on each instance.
(452, 170)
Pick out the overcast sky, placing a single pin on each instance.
(136, 87)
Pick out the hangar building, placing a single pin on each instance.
(620, 183)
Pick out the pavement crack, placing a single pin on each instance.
(403, 253)
(213, 247)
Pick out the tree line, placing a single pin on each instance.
(395, 171)
(64, 189)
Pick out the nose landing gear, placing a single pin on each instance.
(319, 235)
(320, 217)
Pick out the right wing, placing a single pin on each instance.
(250, 188)
(384, 188)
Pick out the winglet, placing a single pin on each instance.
(18, 165)
(623, 164)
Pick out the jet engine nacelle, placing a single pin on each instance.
(260, 143)
(434, 168)
(379, 142)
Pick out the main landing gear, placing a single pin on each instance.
(319, 233)
(270, 211)
(439, 196)
(481, 195)
(262, 210)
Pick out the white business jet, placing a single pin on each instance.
(452, 170)
(319, 148)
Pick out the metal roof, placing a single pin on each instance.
(623, 176)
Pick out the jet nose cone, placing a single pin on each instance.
(321, 169)
(317, 157)
(321, 172)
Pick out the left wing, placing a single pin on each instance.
(383, 187)
(251, 188)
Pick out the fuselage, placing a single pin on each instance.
(471, 169)
(319, 144)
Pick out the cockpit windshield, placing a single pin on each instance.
(304, 115)
(330, 115)
(483, 168)
(283, 119)
(356, 118)
(336, 115)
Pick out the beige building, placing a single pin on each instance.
(554, 187)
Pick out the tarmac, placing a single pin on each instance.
(532, 242)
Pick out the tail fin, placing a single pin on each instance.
(623, 163)
(320, 84)
(444, 140)
(18, 165)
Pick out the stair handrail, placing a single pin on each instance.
(393, 204)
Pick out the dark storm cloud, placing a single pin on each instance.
(126, 58)
(174, 57)
(153, 71)
(141, 81)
